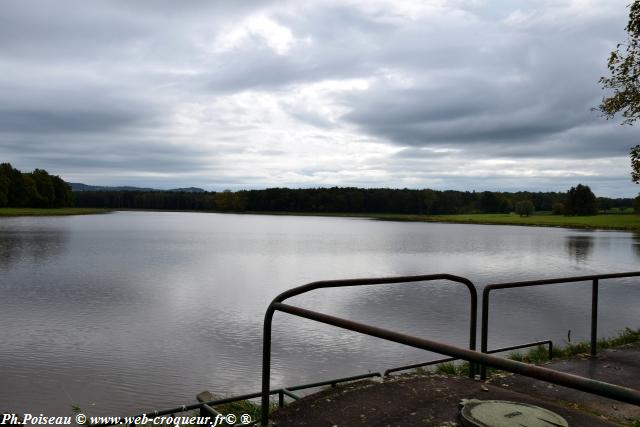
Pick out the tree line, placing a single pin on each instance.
(35, 189)
(39, 189)
(578, 200)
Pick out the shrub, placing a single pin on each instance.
(524, 208)
(557, 208)
(580, 201)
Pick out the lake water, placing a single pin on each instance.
(133, 311)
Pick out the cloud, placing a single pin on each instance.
(464, 94)
(256, 28)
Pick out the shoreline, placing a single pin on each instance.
(613, 221)
(608, 222)
(30, 212)
(632, 226)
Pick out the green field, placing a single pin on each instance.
(602, 221)
(617, 221)
(611, 221)
(50, 212)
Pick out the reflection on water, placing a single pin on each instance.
(579, 247)
(32, 246)
(132, 311)
(635, 244)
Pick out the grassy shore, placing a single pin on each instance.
(50, 212)
(540, 355)
(605, 221)
(613, 221)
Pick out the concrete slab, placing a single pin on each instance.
(432, 400)
(616, 366)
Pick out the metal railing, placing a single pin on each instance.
(594, 278)
(600, 388)
(623, 394)
(277, 302)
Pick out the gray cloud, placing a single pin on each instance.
(258, 93)
(68, 121)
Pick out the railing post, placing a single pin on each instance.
(473, 325)
(484, 330)
(594, 318)
(266, 365)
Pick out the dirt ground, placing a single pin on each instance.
(432, 399)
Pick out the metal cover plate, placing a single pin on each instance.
(500, 413)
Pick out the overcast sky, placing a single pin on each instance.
(459, 94)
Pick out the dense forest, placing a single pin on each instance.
(39, 189)
(336, 200)
(35, 189)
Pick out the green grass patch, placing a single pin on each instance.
(602, 221)
(244, 407)
(617, 210)
(540, 354)
(50, 211)
(447, 368)
(608, 221)
(535, 355)
(605, 221)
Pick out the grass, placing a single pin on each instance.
(450, 368)
(540, 354)
(243, 407)
(605, 221)
(601, 221)
(50, 211)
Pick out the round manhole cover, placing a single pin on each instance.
(499, 413)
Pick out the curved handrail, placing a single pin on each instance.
(321, 284)
(268, 317)
(484, 328)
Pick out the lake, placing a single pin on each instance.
(132, 311)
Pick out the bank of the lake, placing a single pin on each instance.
(51, 211)
(617, 221)
(628, 222)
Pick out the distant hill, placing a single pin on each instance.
(77, 186)
(188, 190)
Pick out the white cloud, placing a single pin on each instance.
(257, 29)
(468, 94)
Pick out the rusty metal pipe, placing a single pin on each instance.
(599, 388)
(268, 317)
(594, 278)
